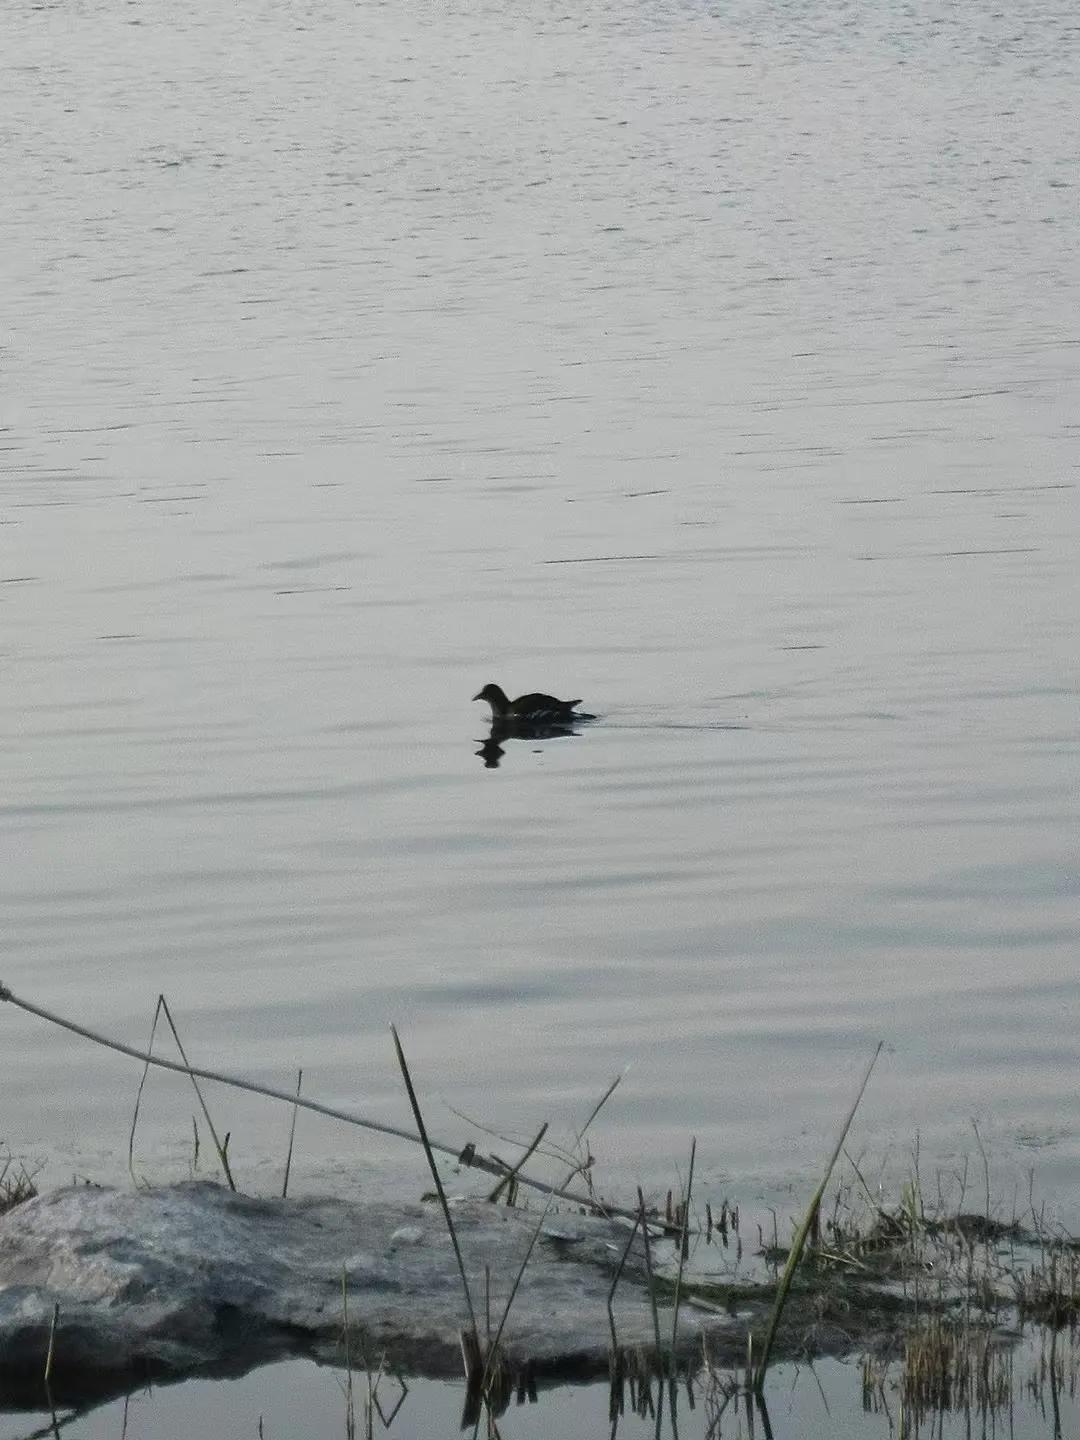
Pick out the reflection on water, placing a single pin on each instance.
(1026, 1397)
(718, 362)
(504, 731)
(494, 747)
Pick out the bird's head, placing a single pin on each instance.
(495, 697)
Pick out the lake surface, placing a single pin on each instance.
(715, 363)
(299, 1398)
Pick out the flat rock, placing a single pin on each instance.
(193, 1279)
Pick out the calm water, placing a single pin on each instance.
(299, 1399)
(717, 364)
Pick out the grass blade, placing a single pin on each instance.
(422, 1131)
(292, 1136)
(643, 1218)
(682, 1251)
(799, 1243)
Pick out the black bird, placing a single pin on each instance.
(535, 709)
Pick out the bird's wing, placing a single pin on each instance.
(538, 704)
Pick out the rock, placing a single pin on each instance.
(193, 1279)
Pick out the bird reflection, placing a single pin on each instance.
(494, 747)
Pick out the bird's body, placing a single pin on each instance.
(533, 709)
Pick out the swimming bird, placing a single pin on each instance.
(534, 709)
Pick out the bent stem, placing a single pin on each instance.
(162, 1008)
(219, 1077)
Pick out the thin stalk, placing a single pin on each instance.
(604, 1098)
(292, 1137)
(799, 1243)
(418, 1117)
(986, 1168)
(511, 1176)
(138, 1101)
(552, 1151)
(649, 1273)
(615, 1282)
(51, 1351)
(682, 1248)
(493, 1347)
(218, 1145)
(350, 1412)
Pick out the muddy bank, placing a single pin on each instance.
(194, 1280)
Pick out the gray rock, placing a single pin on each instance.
(192, 1279)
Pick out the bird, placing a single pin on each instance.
(534, 709)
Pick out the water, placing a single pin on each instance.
(716, 364)
(298, 1397)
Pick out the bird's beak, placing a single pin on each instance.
(479, 695)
